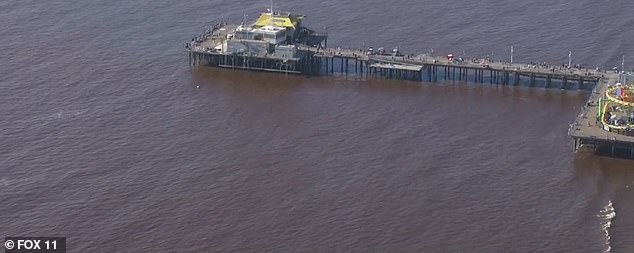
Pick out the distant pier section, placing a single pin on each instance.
(278, 42)
(606, 121)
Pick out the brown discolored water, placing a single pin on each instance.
(106, 140)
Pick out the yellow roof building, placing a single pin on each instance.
(278, 20)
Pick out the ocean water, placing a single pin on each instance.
(110, 138)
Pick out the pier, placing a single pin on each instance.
(423, 67)
(267, 47)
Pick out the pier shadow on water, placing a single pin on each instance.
(619, 153)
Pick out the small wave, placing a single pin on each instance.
(69, 113)
(4, 182)
(607, 214)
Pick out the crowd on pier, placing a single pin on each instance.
(195, 41)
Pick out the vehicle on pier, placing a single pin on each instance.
(396, 52)
(382, 51)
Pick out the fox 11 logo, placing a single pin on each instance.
(35, 244)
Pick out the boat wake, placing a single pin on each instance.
(607, 214)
